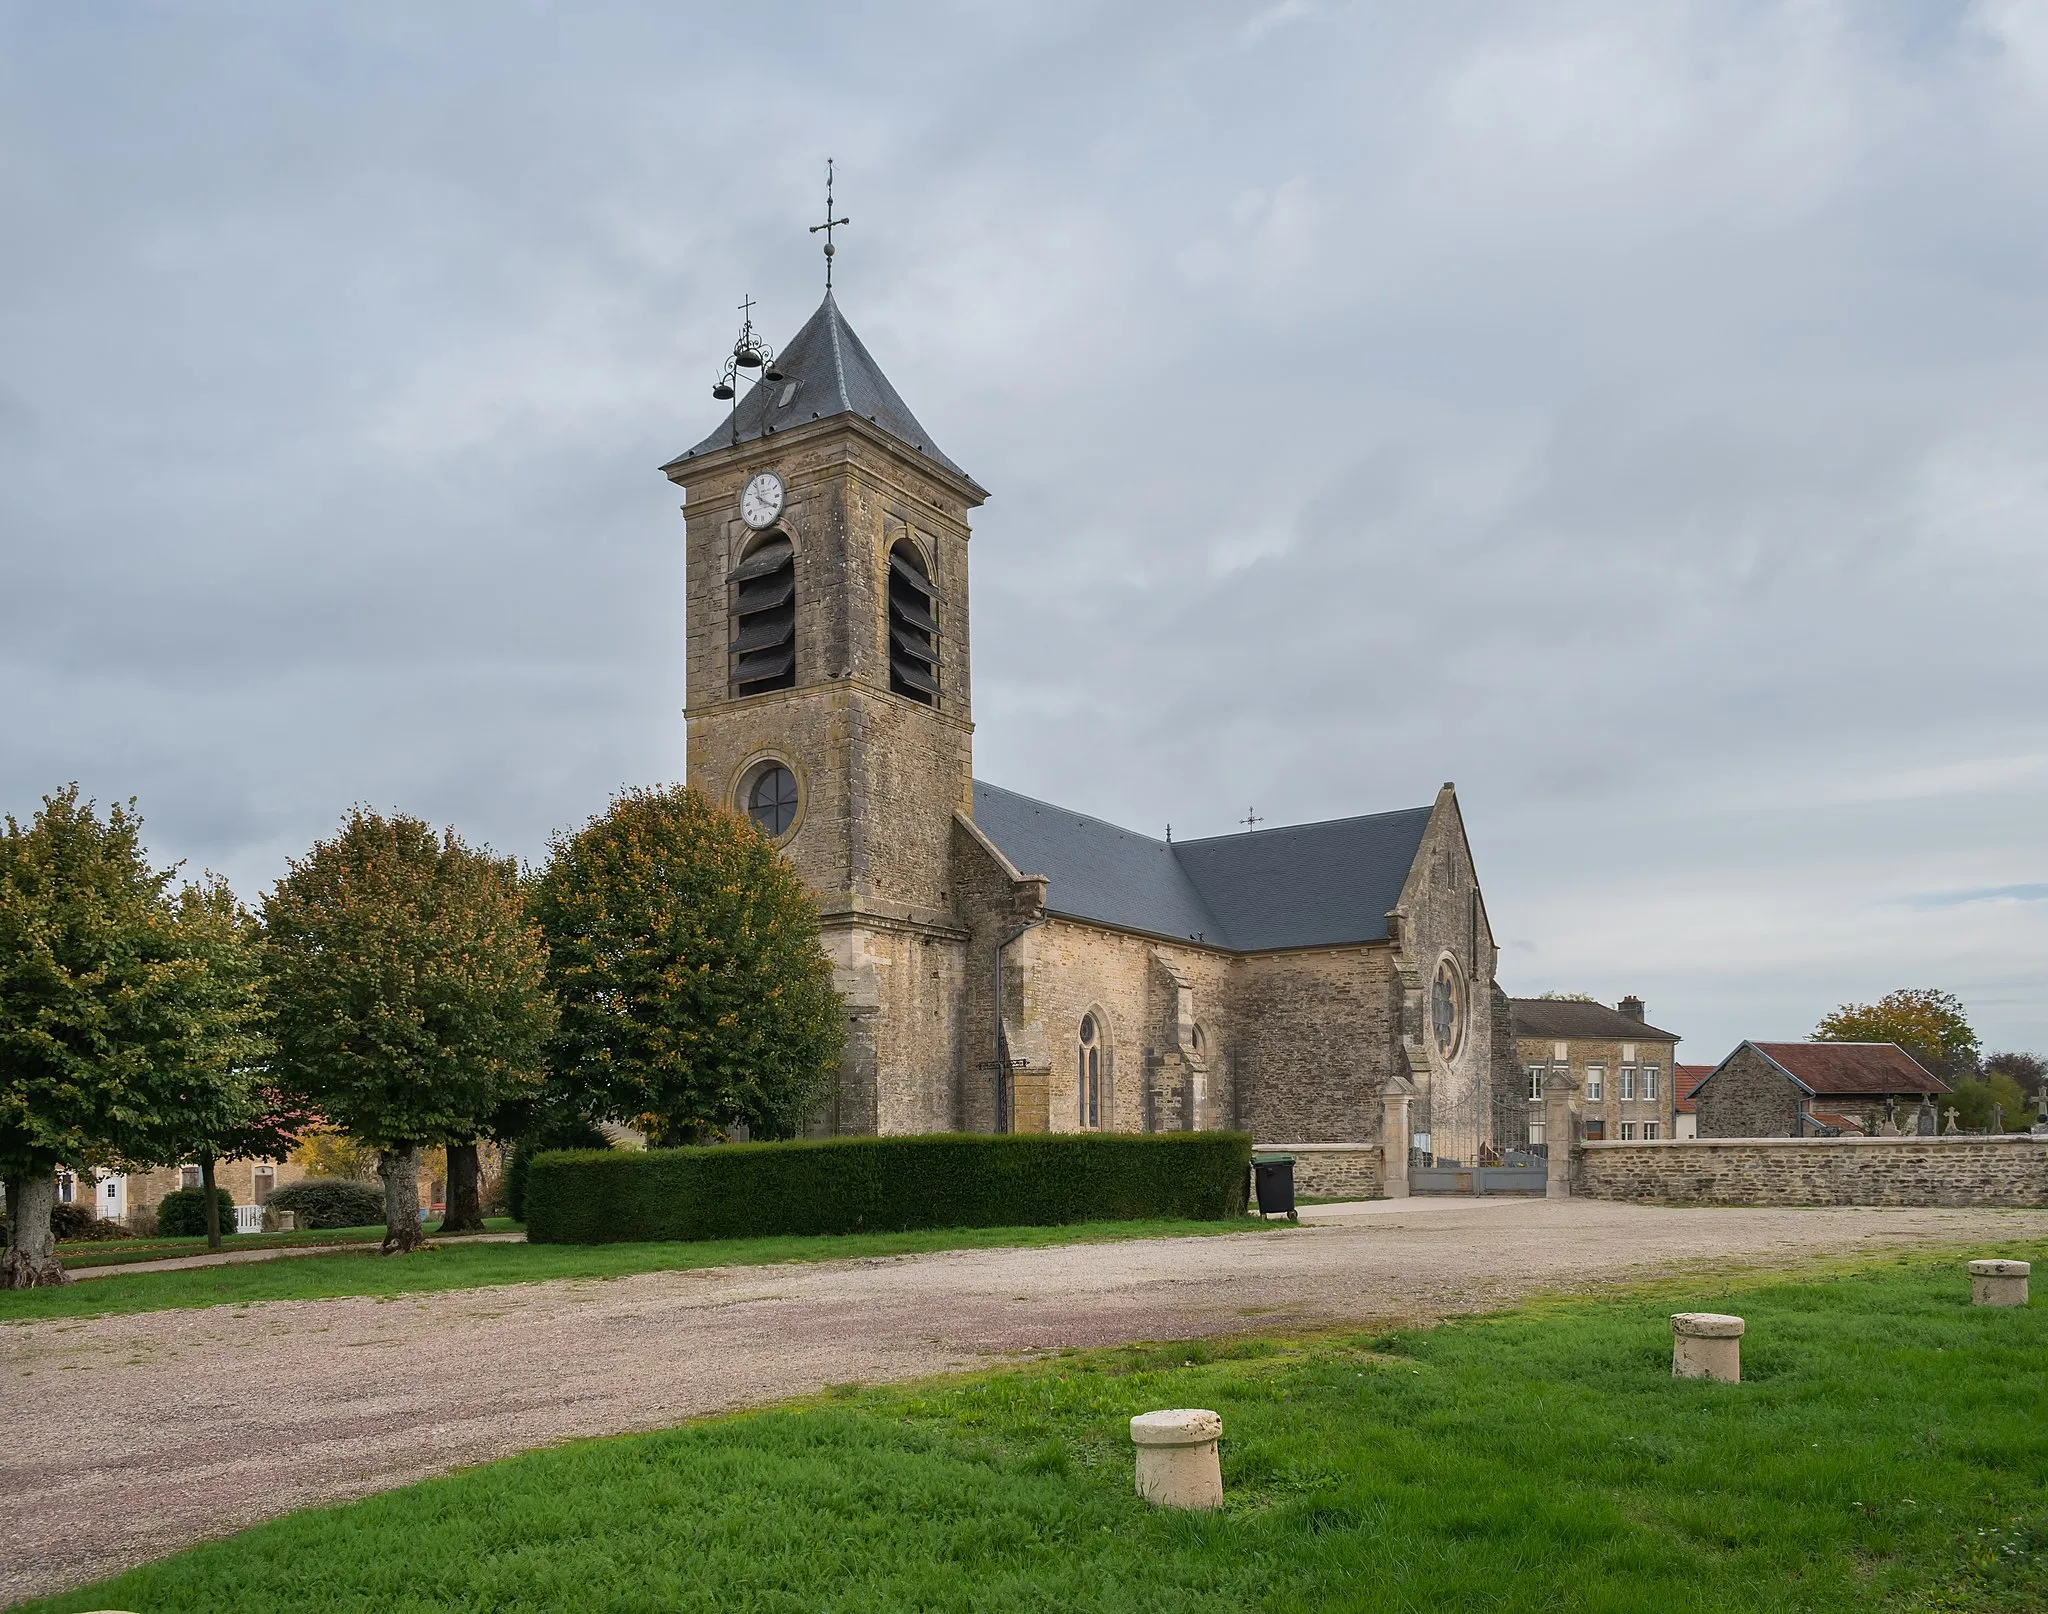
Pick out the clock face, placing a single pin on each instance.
(761, 500)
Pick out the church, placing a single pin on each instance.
(1008, 964)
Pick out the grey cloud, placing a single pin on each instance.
(1634, 413)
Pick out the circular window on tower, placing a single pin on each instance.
(769, 798)
(1447, 1008)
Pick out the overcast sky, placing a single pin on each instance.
(1634, 412)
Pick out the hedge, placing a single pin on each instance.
(182, 1212)
(854, 1185)
(330, 1202)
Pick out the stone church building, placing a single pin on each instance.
(1008, 964)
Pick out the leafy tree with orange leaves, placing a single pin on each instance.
(1928, 1024)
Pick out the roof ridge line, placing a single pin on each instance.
(1312, 823)
(838, 357)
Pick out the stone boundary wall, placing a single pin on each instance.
(2010, 1170)
(1331, 1170)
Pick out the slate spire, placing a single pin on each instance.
(826, 371)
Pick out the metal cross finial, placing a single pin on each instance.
(829, 225)
(747, 307)
(1251, 818)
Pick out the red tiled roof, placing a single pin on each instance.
(1841, 1123)
(1684, 1078)
(1845, 1068)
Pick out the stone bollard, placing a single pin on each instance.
(1999, 1283)
(1177, 1462)
(1706, 1345)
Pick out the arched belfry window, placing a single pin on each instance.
(1088, 1074)
(764, 617)
(913, 627)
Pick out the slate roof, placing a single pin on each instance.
(1839, 1069)
(827, 370)
(1560, 1017)
(1306, 885)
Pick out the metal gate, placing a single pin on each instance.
(1521, 1171)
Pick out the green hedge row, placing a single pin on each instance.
(865, 1185)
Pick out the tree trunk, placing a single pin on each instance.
(400, 1169)
(206, 1189)
(463, 1209)
(30, 1261)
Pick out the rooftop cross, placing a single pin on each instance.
(1251, 819)
(829, 224)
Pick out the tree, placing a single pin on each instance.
(408, 992)
(2028, 1071)
(98, 998)
(221, 1103)
(684, 951)
(1992, 1102)
(1929, 1025)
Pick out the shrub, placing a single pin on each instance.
(87, 1228)
(850, 1185)
(182, 1213)
(329, 1202)
(559, 1134)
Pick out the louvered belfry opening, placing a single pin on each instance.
(764, 618)
(913, 627)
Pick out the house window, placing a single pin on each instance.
(1535, 1131)
(188, 1176)
(262, 1180)
(1536, 1083)
(1652, 1131)
(67, 1185)
(1628, 1132)
(1088, 1074)
(1596, 1131)
(1649, 1081)
(764, 617)
(1596, 1083)
(1626, 1082)
(913, 627)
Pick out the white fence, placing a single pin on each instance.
(248, 1218)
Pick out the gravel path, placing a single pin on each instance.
(129, 1436)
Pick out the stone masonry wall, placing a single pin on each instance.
(1748, 1097)
(1318, 1033)
(1819, 1171)
(1441, 912)
(1331, 1170)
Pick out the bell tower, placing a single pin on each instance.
(828, 688)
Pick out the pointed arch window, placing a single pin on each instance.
(1088, 1074)
(764, 617)
(913, 627)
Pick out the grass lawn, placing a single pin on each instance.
(1889, 1450)
(457, 1265)
(81, 1255)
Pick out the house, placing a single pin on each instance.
(1804, 1089)
(1684, 1079)
(1622, 1066)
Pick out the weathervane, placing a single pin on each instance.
(829, 225)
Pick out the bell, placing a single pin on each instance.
(747, 358)
(773, 374)
(722, 391)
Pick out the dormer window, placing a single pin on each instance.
(764, 617)
(913, 627)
